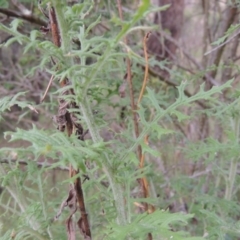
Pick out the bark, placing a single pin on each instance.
(170, 20)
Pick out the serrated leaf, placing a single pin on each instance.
(7, 102)
(11, 41)
(42, 141)
(141, 113)
(180, 116)
(34, 34)
(158, 223)
(77, 8)
(153, 99)
(145, 4)
(15, 23)
(147, 149)
(220, 40)
(92, 25)
(181, 88)
(179, 102)
(159, 130)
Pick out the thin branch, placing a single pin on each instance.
(188, 55)
(39, 164)
(146, 67)
(21, 7)
(130, 84)
(206, 35)
(157, 74)
(224, 43)
(199, 174)
(144, 182)
(222, 29)
(48, 87)
(30, 18)
(173, 84)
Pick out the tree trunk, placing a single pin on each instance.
(170, 20)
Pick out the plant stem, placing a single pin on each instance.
(88, 117)
(61, 29)
(233, 165)
(41, 198)
(116, 187)
(62, 25)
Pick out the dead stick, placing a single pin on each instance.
(146, 67)
(48, 87)
(30, 18)
(144, 182)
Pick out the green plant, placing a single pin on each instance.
(101, 144)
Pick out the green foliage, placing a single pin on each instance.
(4, 3)
(34, 175)
(157, 223)
(7, 102)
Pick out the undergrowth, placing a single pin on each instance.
(106, 156)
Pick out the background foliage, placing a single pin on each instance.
(188, 119)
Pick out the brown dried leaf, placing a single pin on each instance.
(45, 30)
(60, 121)
(70, 201)
(122, 89)
(83, 229)
(32, 108)
(70, 229)
(70, 225)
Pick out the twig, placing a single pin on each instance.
(130, 84)
(199, 174)
(157, 74)
(188, 55)
(232, 174)
(224, 43)
(206, 32)
(144, 182)
(39, 164)
(173, 84)
(48, 87)
(224, 25)
(27, 17)
(146, 67)
(21, 7)
(32, 108)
